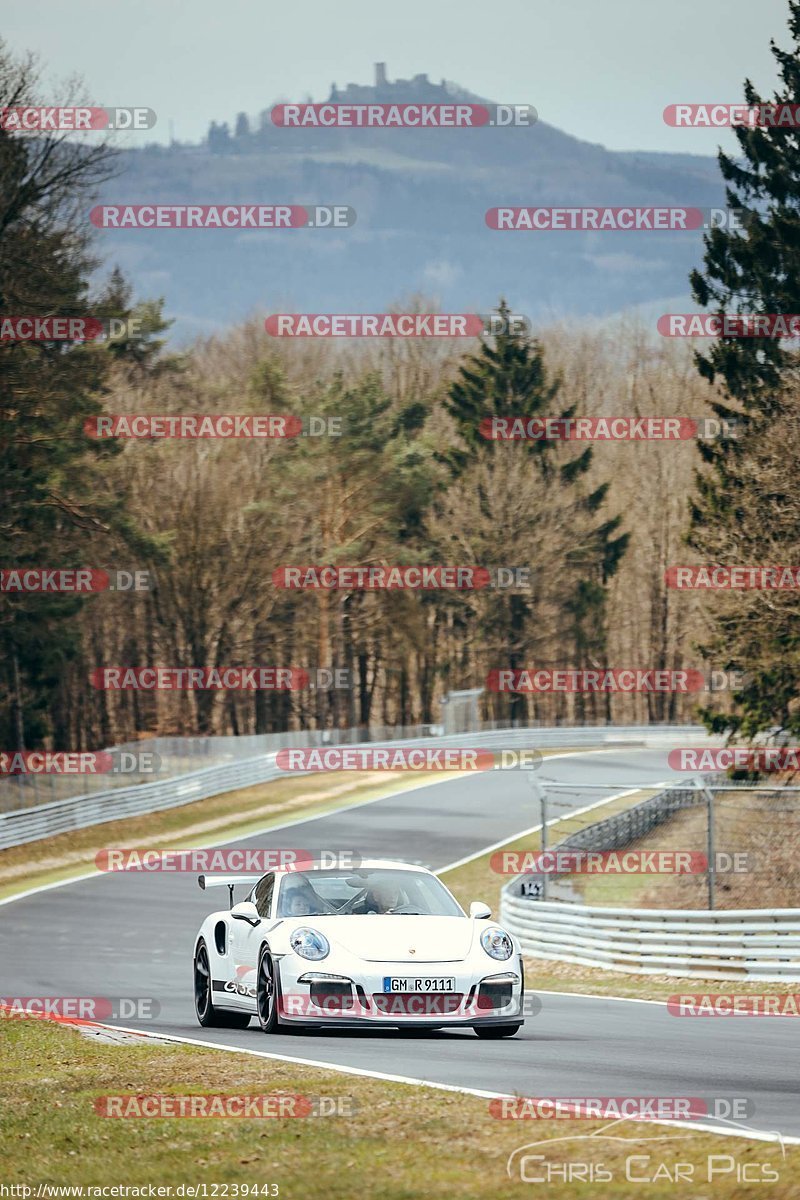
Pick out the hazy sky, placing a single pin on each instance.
(602, 70)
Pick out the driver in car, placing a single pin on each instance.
(382, 897)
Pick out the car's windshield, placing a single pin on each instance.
(365, 892)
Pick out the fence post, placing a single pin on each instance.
(710, 851)
(541, 794)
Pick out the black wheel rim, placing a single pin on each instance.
(202, 982)
(265, 990)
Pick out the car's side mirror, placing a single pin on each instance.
(479, 911)
(246, 911)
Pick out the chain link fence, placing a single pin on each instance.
(745, 836)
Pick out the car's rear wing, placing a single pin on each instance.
(228, 881)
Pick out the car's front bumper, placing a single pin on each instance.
(317, 994)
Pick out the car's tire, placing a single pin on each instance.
(267, 992)
(207, 1015)
(492, 1032)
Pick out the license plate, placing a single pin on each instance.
(392, 983)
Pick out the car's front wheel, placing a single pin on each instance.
(266, 992)
(496, 1031)
(207, 1015)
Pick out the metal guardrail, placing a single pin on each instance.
(757, 944)
(78, 812)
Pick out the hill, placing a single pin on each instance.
(420, 198)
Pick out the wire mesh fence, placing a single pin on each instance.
(740, 839)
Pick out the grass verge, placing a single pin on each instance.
(398, 1142)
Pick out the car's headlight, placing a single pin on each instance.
(497, 944)
(308, 943)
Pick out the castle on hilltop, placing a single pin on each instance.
(247, 139)
(419, 88)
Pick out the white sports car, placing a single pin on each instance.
(382, 944)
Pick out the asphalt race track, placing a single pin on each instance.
(131, 934)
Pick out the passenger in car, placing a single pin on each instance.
(298, 899)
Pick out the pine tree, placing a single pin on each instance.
(508, 377)
(755, 269)
(52, 502)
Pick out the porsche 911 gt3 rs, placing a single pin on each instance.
(382, 944)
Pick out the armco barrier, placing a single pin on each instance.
(758, 944)
(78, 812)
